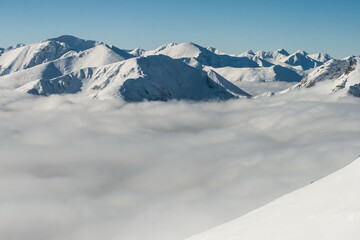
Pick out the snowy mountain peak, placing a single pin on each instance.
(75, 43)
(181, 50)
(58, 58)
(151, 78)
(321, 57)
(247, 53)
(277, 55)
(215, 50)
(137, 52)
(349, 58)
(162, 47)
(342, 76)
(53, 49)
(301, 52)
(15, 46)
(198, 56)
(212, 49)
(301, 58)
(282, 51)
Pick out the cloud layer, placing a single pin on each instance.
(74, 168)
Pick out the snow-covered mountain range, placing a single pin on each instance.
(68, 65)
(181, 166)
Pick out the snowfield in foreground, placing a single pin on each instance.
(75, 168)
(326, 209)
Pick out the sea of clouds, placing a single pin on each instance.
(73, 168)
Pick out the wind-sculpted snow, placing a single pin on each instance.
(74, 168)
(335, 76)
(326, 209)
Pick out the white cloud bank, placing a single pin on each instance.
(73, 168)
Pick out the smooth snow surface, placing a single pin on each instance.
(327, 209)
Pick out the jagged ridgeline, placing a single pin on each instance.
(69, 65)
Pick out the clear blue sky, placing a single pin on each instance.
(233, 26)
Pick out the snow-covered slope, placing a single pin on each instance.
(320, 57)
(301, 58)
(341, 76)
(278, 65)
(145, 78)
(328, 209)
(217, 51)
(277, 55)
(66, 56)
(34, 54)
(97, 56)
(137, 52)
(74, 43)
(249, 66)
(197, 56)
(260, 74)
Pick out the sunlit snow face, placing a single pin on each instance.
(73, 168)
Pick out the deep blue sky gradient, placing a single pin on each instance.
(233, 26)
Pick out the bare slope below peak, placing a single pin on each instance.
(327, 209)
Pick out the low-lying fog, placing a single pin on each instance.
(73, 168)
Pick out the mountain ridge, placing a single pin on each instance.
(66, 57)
